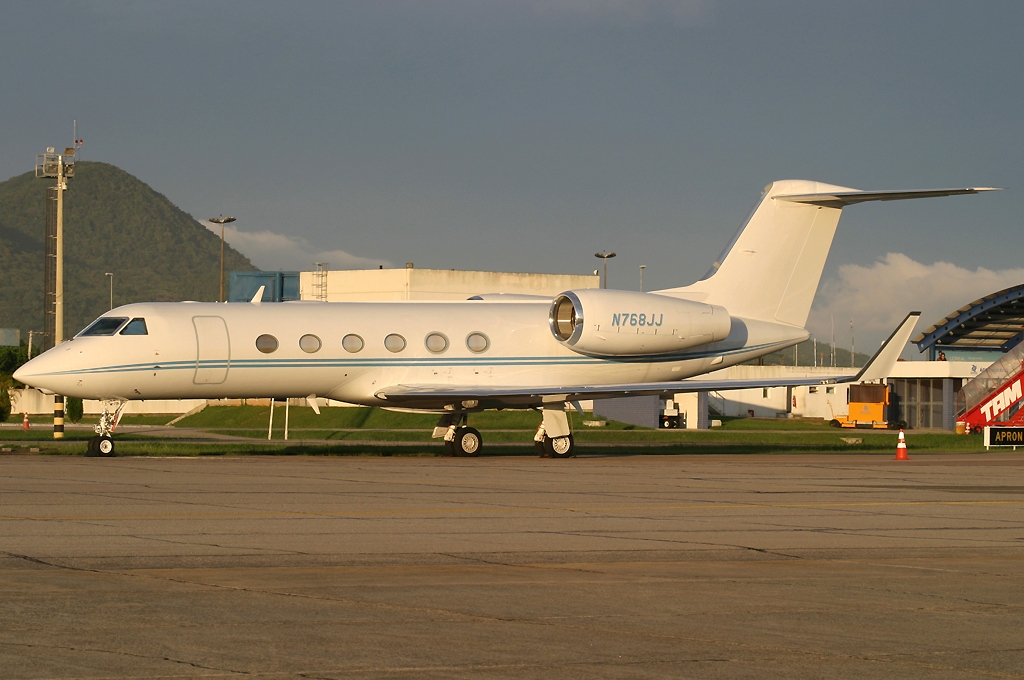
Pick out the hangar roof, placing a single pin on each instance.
(995, 321)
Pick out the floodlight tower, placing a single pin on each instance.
(604, 256)
(222, 221)
(60, 167)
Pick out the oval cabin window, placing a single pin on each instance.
(266, 343)
(394, 343)
(477, 342)
(352, 343)
(309, 343)
(436, 343)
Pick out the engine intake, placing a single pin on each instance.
(621, 323)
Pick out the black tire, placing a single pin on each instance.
(449, 448)
(94, 447)
(834, 423)
(902, 425)
(560, 447)
(541, 450)
(468, 442)
(105, 446)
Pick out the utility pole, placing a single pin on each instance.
(60, 167)
(853, 346)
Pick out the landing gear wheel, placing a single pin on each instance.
(542, 450)
(468, 442)
(94, 447)
(560, 447)
(105, 446)
(449, 449)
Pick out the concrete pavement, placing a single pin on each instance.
(804, 566)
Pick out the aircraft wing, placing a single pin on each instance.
(431, 396)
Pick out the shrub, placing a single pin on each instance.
(73, 409)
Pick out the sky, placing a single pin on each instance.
(528, 135)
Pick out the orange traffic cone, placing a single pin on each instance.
(24, 422)
(901, 447)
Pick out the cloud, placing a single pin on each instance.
(877, 297)
(271, 251)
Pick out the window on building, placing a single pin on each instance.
(918, 401)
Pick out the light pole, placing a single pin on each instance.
(604, 256)
(642, 268)
(110, 275)
(222, 221)
(61, 167)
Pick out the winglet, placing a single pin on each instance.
(258, 297)
(881, 365)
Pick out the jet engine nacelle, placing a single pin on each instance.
(621, 323)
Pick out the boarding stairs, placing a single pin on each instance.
(996, 395)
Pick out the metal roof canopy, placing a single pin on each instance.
(993, 322)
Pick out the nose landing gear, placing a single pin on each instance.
(103, 444)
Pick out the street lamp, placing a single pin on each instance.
(222, 221)
(111, 276)
(604, 256)
(642, 268)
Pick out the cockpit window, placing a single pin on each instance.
(105, 325)
(135, 327)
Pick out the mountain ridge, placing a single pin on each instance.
(113, 222)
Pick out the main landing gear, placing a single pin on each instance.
(103, 444)
(553, 438)
(459, 440)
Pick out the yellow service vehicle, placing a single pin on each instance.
(868, 406)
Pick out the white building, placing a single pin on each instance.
(408, 283)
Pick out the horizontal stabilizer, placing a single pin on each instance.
(839, 199)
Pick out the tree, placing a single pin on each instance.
(5, 398)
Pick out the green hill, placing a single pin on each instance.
(113, 222)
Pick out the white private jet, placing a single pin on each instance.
(491, 351)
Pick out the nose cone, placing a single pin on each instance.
(28, 373)
(43, 372)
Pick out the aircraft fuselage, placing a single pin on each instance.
(209, 350)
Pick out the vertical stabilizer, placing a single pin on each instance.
(771, 269)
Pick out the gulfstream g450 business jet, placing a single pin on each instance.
(454, 358)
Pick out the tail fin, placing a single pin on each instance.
(771, 269)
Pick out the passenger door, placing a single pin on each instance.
(213, 350)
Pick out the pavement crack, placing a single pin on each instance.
(116, 652)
